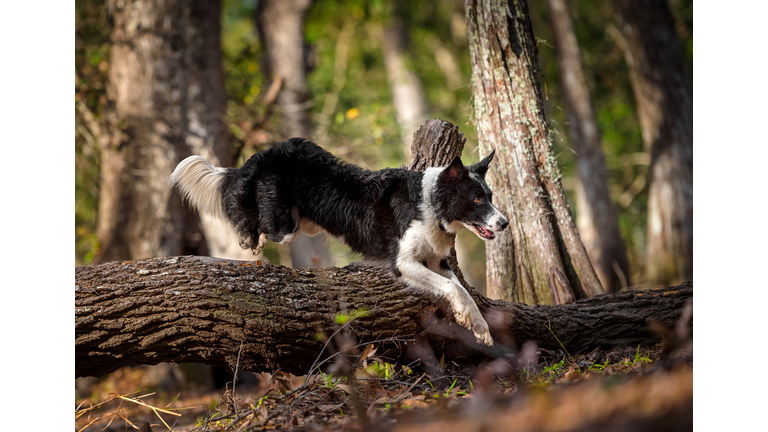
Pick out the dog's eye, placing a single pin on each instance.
(478, 200)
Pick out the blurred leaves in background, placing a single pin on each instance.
(91, 66)
(362, 128)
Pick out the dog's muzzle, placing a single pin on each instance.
(493, 224)
(497, 221)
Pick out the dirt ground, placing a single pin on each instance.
(631, 389)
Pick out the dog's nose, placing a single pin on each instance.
(504, 224)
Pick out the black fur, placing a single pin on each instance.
(455, 197)
(405, 218)
(365, 207)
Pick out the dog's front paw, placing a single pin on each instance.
(467, 315)
(462, 314)
(480, 329)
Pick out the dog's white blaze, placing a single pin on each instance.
(426, 237)
(200, 183)
(424, 241)
(495, 220)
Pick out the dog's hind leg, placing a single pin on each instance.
(464, 308)
(278, 219)
(295, 219)
(261, 244)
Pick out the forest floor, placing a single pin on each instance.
(630, 389)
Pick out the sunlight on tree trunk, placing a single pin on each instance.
(195, 310)
(657, 69)
(167, 84)
(597, 219)
(167, 93)
(540, 258)
(281, 29)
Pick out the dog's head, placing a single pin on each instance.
(462, 195)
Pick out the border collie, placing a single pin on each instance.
(406, 218)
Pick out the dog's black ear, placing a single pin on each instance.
(456, 170)
(482, 166)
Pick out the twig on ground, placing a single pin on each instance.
(234, 384)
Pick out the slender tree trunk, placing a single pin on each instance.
(166, 83)
(657, 70)
(436, 144)
(407, 94)
(208, 135)
(201, 309)
(541, 258)
(597, 219)
(281, 29)
(198, 309)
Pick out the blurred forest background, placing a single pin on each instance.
(352, 50)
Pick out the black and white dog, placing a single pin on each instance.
(406, 218)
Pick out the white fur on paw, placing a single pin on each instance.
(480, 329)
(467, 315)
(261, 245)
(462, 314)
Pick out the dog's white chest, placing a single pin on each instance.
(424, 240)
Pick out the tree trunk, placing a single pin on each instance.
(435, 144)
(195, 309)
(200, 309)
(664, 95)
(281, 29)
(597, 219)
(541, 258)
(167, 86)
(407, 94)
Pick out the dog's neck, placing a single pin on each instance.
(427, 206)
(440, 234)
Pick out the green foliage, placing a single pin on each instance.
(551, 372)
(363, 128)
(459, 391)
(608, 80)
(639, 358)
(344, 318)
(597, 367)
(382, 370)
(330, 382)
(92, 49)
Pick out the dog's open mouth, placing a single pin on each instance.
(484, 233)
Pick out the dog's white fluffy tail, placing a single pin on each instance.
(201, 184)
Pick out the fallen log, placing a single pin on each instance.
(210, 310)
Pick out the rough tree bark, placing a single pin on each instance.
(435, 144)
(167, 86)
(657, 70)
(540, 258)
(281, 29)
(200, 309)
(597, 219)
(197, 309)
